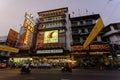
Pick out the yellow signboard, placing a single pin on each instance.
(8, 49)
(29, 24)
(91, 47)
(95, 31)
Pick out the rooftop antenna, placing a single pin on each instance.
(79, 12)
(73, 13)
(86, 11)
(92, 13)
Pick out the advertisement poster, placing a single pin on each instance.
(51, 36)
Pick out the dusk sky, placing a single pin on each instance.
(12, 11)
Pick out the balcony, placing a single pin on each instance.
(81, 25)
(76, 43)
(111, 32)
(52, 28)
(53, 20)
(53, 15)
(75, 33)
(80, 34)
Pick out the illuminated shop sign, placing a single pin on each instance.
(51, 36)
(91, 47)
(29, 25)
(50, 51)
(27, 37)
(29, 17)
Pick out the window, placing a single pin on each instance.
(75, 31)
(74, 23)
(81, 22)
(107, 29)
(76, 40)
(84, 37)
(88, 22)
(117, 27)
(61, 31)
(95, 39)
(83, 30)
(89, 29)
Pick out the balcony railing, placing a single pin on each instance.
(76, 25)
(53, 20)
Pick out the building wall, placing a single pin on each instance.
(112, 32)
(68, 32)
(51, 20)
(81, 28)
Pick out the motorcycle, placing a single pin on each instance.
(66, 69)
(25, 69)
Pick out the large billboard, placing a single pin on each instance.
(51, 36)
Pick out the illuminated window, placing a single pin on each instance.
(61, 31)
(29, 27)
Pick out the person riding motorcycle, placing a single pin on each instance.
(26, 68)
(66, 68)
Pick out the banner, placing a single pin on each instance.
(95, 31)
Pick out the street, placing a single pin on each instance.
(55, 74)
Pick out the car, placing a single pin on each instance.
(2, 65)
(45, 66)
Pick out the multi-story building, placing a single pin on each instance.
(112, 36)
(26, 33)
(3, 55)
(81, 28)
(25, 40)
(7, 45)
(3, 40)
(59, 38)
(53, 37)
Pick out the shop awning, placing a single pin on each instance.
(8, 49)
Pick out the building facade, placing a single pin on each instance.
(53, 33)
(112, 36)
(98, 49)
(7, 47)
(25, 40)
(57, 39)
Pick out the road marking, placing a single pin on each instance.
(65, 79)
(30, 78)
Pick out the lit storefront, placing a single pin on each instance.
(94, 53)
